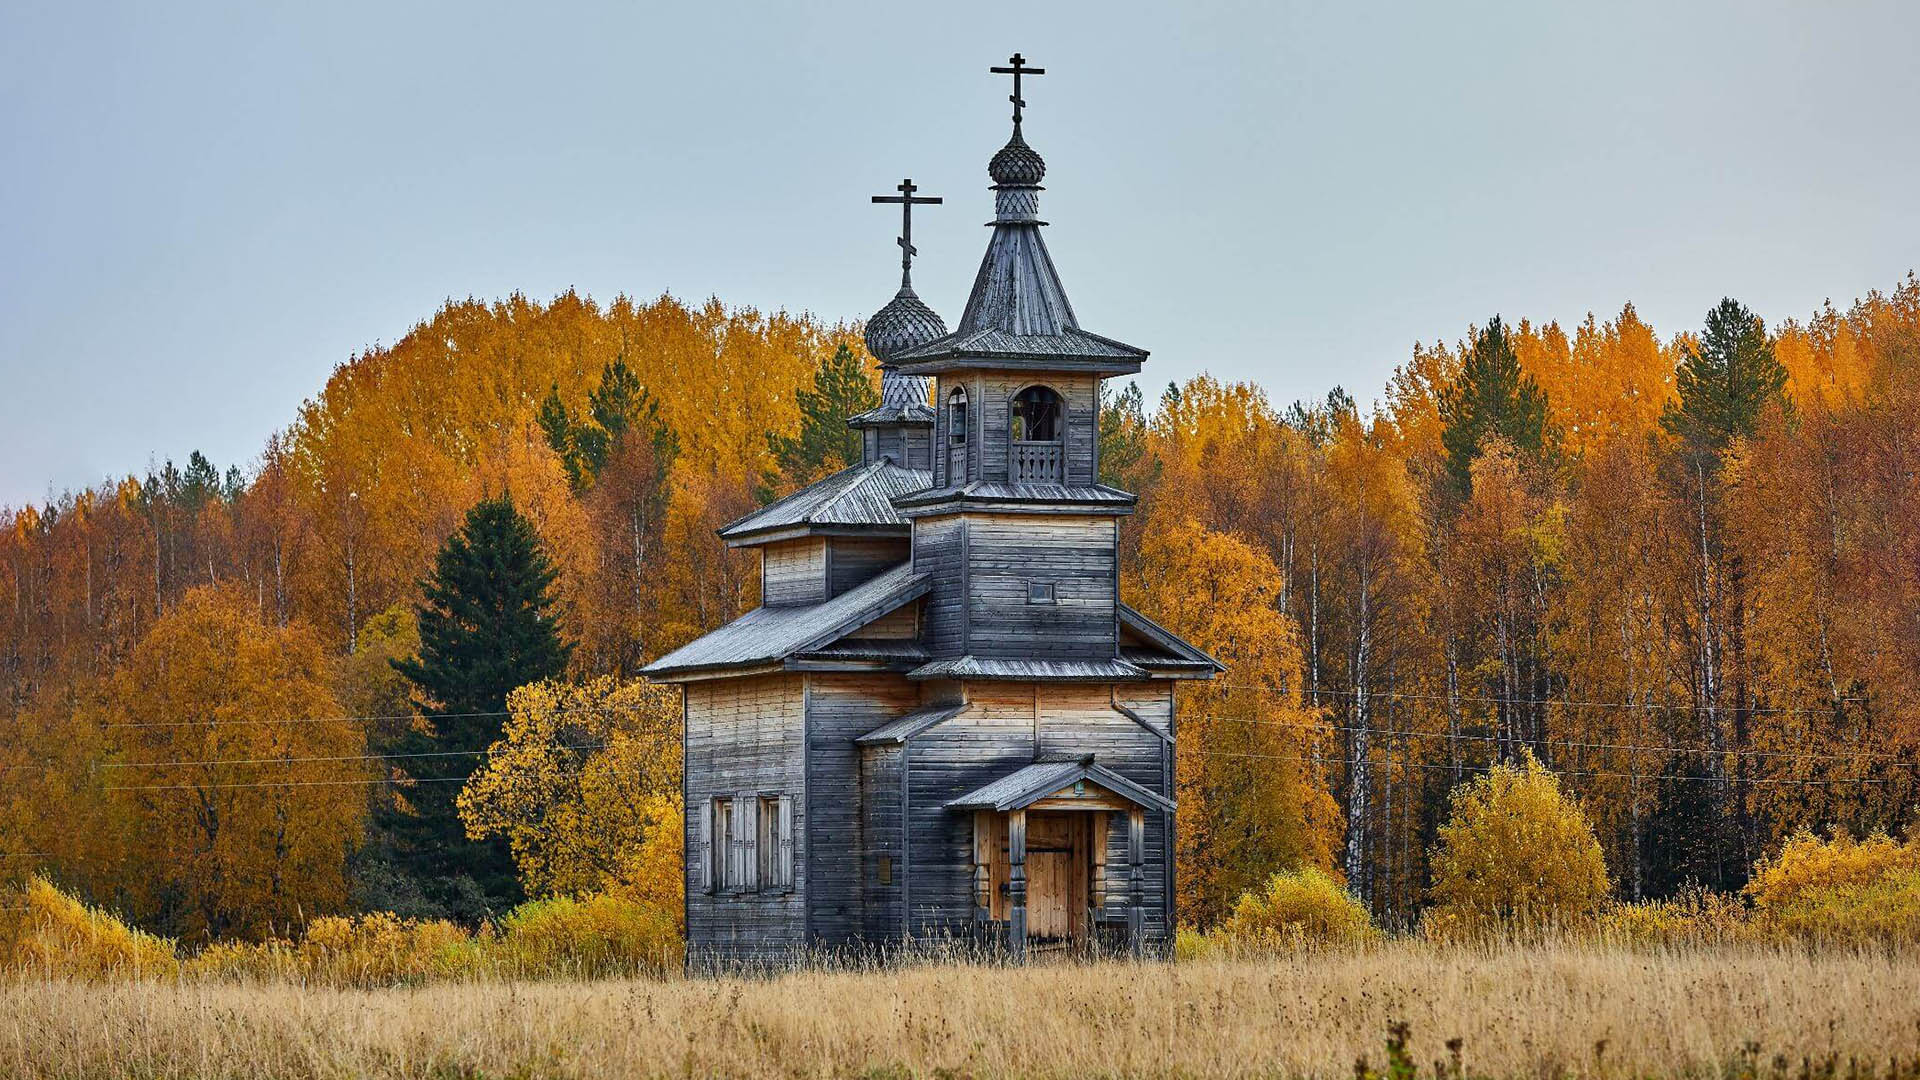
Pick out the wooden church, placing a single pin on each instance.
(943, 722)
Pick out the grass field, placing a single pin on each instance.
(1546, 1012)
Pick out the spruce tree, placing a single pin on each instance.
(1492, 396)
(1726, 380)
(486, 628)
(825, 444)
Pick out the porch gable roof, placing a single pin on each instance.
(1029, 784)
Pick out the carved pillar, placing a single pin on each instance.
(1136, 880)
(1017, 884)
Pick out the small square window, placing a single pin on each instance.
(1039, 592)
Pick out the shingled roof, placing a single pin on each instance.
(855, 499)
(768, 635)
(1018, 314)
(1029, 784)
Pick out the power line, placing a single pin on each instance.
(349, 757)
(1405, 695)
(1323, 760)
(1880, 756)
(361, 719)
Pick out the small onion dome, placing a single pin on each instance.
(904, 323)
(1017, 164)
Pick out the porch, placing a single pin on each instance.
(1042, 861)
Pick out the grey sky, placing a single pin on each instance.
(203, 209)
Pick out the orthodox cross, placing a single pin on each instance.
(907, 200)
(1018, 69)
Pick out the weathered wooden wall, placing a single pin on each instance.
(841, 708)
(1007, 727)
(852, 560)
(794, 571)
(743, 739)
(937, 551)
(1004, 552)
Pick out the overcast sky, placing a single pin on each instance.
(203, 209)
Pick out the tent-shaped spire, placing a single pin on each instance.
(1018, 315)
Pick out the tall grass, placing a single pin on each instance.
(1552, 1011)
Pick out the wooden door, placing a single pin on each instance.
(1056, 871)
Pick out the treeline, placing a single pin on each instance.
(1679, 570)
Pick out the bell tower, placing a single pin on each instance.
(1020, 535)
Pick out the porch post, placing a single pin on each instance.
(982, 869)
(1017, 884)
(1136, 880)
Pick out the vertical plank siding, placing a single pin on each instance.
(743, 739)
(858, 559)
(794, 571)
(839, 709)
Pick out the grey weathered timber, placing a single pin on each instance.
(942, 720)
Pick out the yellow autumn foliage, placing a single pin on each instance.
(46, 931)
(1516, 854)
(1840, 890)
(585, 787)
(1297, 909)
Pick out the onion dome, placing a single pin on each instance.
(1017, 164)
(905, 322)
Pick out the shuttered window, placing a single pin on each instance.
(744, 844)
(700, 853)
(776, 843)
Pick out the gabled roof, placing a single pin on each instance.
(895, 732)
(855, 499)
(1028, 785)
(769, 634)
(988, 667)
(1167, 651)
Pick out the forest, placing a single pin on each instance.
(1674, 566)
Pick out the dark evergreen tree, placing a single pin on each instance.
(1320, 422)
(825, 444)
(1726, 380)
(1492, 396)
(486, 628)
(1123, 440)
(621, 404)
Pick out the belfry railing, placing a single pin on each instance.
(1037, 462)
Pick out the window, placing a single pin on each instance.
(1036, 415)
(957, 417)
(744, 844)
(1039, 592)
(776, 843)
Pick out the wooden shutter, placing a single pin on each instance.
(785, 835)
(749, 829)
(700, 850)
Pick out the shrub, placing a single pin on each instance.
(1695, 916)
(590, 937)
(56, 934)
(1297, 909)
(378, 949)
(1516, 854)
(1840, 890)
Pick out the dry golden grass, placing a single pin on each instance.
(1549, 1011)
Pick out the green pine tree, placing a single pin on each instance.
(1726, 380)
(1123, 440)
(1491, 397)
(486, 628)
(842, 388)
(619, 405)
